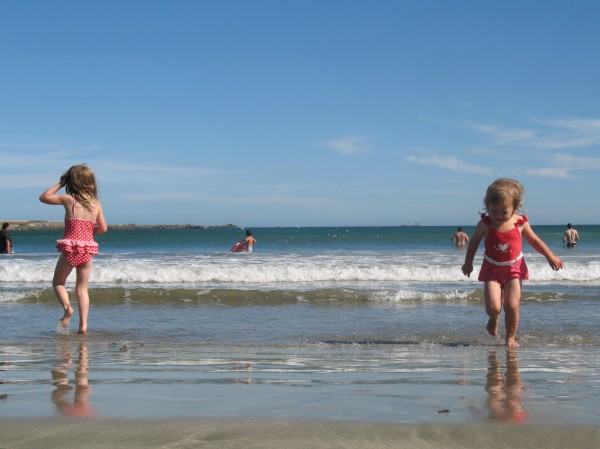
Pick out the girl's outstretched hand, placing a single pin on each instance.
(467, 269)
(555, 263)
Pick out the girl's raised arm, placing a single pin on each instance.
(50, 197)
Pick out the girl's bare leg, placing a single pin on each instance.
(61, 273)
(512, 299)
(83, 298)
(492, 292)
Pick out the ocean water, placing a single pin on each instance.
(348, 323)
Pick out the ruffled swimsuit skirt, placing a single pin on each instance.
(503, 273)
(78, 245)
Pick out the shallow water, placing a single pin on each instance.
(316, 330)
(304, 362)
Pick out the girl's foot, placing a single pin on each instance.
(512, 343)
(65, 321)
(82, 330)
(492, 326)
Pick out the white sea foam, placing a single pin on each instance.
(413, 294)
(16, 294)
(291, 269)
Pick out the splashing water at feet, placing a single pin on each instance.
(62, 329)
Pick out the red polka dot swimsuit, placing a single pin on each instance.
(77, 244)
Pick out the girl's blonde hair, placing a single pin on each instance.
(80, 182)
(502, 189)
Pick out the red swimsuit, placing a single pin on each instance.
(78, 244)
(503, 259)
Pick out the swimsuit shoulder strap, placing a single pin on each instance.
(73, 208)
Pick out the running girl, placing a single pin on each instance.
(504, 268)
(83, 219)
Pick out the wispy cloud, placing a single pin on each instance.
(452, 192)
(165, 170)
(576, 134)
(554, 134)
(349, 145)
(41, 163)
(577, 163)
(564, 165)
(449, 163)
(502, 134)
(568, 133)
(591, 126)
(548, 172)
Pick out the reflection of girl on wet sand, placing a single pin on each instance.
(80, 406)
(504, 392)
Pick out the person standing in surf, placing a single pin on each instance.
(460, 238)
(571, 236)
(83, 218)
(504, 268)
(5, 240)
(250, 241)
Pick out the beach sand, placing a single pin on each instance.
(132, 434)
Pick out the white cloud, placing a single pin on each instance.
(569, 133)
(349, 145)
(503, 135)
(24, 181)
(564, 165)
(164, 170)
(548, 172)
(577, 163)
(41, 163)
(452, 192)
(555, 134)
(450, 163)
(591, 126)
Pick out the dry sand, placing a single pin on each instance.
(82, 434)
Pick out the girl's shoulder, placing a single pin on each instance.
(483, 225)
(66, 200)
(521, 220)
(88, 211)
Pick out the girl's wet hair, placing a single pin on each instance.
(80, 182)
(502, 189)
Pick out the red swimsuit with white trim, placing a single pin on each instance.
(503, 247)
(77, 244)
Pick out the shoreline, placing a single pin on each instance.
(35, 225)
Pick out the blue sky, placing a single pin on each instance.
(302, 113)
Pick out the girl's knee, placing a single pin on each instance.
(81, 290)
(493, 311)
(511, 306)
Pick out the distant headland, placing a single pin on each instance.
(34, 225)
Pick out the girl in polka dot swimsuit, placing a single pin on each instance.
(83, 219)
